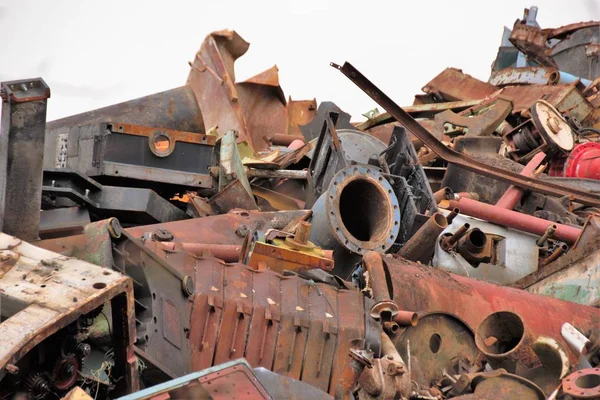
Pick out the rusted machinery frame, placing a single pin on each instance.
(454, 157)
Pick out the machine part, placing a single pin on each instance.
(225, 381)
(384, 309)
(475, 247)
(277, 174)
(63, 222)
(349, 379)
(421, 245)
(388, 378)
(37, 386)
(406, 318)
(455, 158)
(424, 288)
(547, 235)
(547, 131)
(481, 121)
(313, 129)
(503, 336)
(531, 41)
(234, 195)
(22, 137)
(440, 342)
(226, 252)
(453, 85)
(511, 219)
(272, 320)
(129, 204)
(43, 293)
(572, 53)
(449, 240)
(336, 225)
(65, 372)
(582, 162)
(582, 384)
(513, 194)
(115, 151)
(183, 113)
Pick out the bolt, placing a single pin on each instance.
(302, 232)
(187, 284)
(242, 230)
(87, 192)
(84, 349)
(69, 371)
(53, 184)
(114, 228)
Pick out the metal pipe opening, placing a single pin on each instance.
(500, 333)
(365, 210)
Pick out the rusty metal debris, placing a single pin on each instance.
(219, 240)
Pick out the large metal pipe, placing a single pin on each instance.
(358, 213)
(419, 288)
(22, 135)
(420, 246)
(511, 219)
(513, 194)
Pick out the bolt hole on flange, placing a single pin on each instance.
(364, 210)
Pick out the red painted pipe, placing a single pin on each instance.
(513, 194)
(511, 219)
(423, 288)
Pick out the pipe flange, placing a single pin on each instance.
(583, 384)
(384, 306)
(364, 181)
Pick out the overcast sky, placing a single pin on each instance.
(97, 53)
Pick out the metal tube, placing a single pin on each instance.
(384, 308)
(225, 252)
(390, 327)
(449, 241)
(511, 219)
(450, 217)
(577, 342)
(406, 318)
(276, 173)
(283, 139)
(22, 137)
(420, 246)
(557, 253)
(548, 234)
(513, 194)
(443, 194)
(467, 195)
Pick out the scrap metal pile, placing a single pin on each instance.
(220, 241)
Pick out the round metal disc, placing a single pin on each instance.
(550, 123)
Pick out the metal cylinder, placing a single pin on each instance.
(555, 254)
(511, 219)
(226, 252)
(513, 194)
(548, 234)
(22, 137)
(418, 287)
(406, 318)
(450, 217)
(444, 193)
(472, 245)
(276, 173)
(302, 232)
(359, 212)
(449, 241)
(420, 246)
(384, 308)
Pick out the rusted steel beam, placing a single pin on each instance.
(513, 194)
(419, 288)
(512, 219)
(225, 252)
(454, 157)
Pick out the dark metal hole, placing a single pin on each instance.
(364, 210)
(588, 381)
(435, 341)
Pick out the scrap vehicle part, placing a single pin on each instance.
(440, 342)
(533, 76)
(225, 229)
(181, 113)
(453, 157)
(389, 377)
(115, 153)
(45, 298)
(285, 252)
(420, 246)
(547, 132)
(313, 129)
(22, 138)
(272, 321)
(575, 275)
(130, 204)
(582, 162)
(511, 219)
(481, 120)
(424, 288)
(582, 384)
(513, 194)
(345, 387)
(337, 225)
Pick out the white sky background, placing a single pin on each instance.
(96, 53)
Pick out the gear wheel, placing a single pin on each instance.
(65, 372)
(37, 385)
